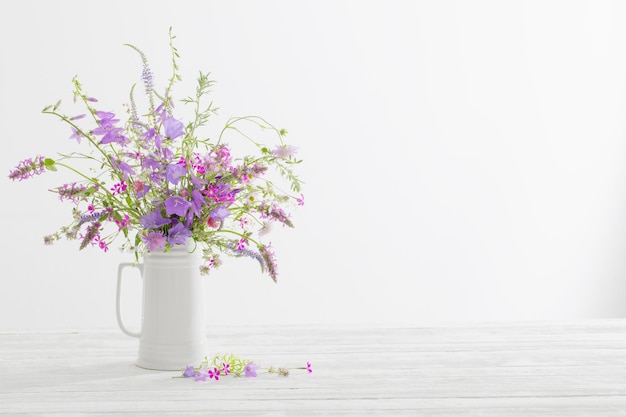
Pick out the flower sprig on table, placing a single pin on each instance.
(156, 181)
(228, 364)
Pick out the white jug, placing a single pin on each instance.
(173, 333)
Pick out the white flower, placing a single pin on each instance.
(284, 151)
(265, 229)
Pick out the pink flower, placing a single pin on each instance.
(214, 374)
(125, 222)
(103, 245)
(27, 168)
(225, 368)
(119, 187)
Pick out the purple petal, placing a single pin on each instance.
(173, 172)
(176, 205)
(150, 163)
(122, 166)
(153, 220)
(219, 213)
(173, 128)
(197, 200)
(189, 371)
(178, 234)
(105, 115)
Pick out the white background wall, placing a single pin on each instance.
(464, 160)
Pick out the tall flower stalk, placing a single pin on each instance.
(156, 181)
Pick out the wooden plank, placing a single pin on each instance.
(499, 369)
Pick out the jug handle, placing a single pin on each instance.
(120, 269)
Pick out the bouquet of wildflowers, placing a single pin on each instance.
(155, 181)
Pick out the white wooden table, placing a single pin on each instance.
(507, 369)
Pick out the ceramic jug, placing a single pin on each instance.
(172, 333)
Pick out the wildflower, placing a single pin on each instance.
(140, 188)
(201, 374)
(220, 193)
(225, 368)
(232, 364)
(178, 234)
(219, 213)
(250, 369)
(274, 212)
(265, 228)
(122, 166)
(269, 259)
(153, 220)
(197, 201)
(72, 192)
(146, 76)
(223, 155)
(92, 235)
(189, 371)
(105, 118)
(28, 168)
(103, 245)
(76, 135)
(176, 205)
(241, 245)
(173, 172)
(107, 129)
(124, 223)
(70, 234)
(300, 200)
(86, 218)
(119, 187)
(154, 240)
(173, 128)
(214, 374)
(206, 267)
(285, 151)
(214, 223)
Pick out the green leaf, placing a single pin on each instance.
(89, 191)
(49, 164)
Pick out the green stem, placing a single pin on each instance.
(240, 235)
